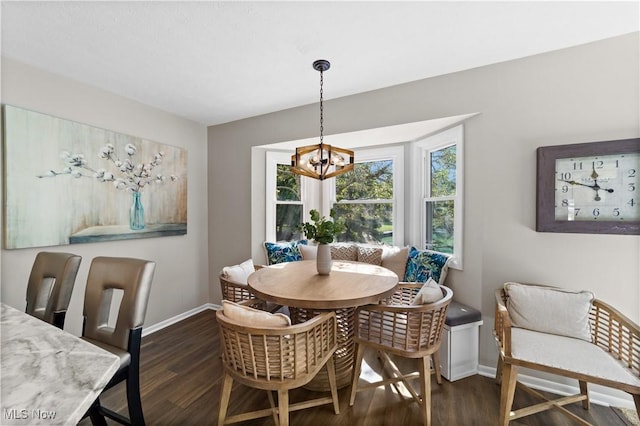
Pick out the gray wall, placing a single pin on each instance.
(586, 93)
(181, 277)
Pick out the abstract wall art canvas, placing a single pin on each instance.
(68, 183)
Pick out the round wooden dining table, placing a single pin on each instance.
(307, 293)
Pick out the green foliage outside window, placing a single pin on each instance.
(366, 222)
(288, 215)
(440, 212)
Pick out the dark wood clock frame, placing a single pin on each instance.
(545, 194)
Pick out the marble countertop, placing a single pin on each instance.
(48, 376)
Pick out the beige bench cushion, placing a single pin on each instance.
(566, 353)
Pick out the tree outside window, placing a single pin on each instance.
(364, 200)
(440, 201)
(288, 204)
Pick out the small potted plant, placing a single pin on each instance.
(322, 231)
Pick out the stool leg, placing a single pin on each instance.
(136, 414)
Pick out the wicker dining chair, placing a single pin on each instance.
(236, 291)
(397, 327)
(276, 358)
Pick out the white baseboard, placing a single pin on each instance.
(597, 394)
(170, 321)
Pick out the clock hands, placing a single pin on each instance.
(595, 186)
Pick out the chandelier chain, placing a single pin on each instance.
(321, 161)
(321, 107)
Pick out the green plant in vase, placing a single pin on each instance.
(323, 231)
(320, 229)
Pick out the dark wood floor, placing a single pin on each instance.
(180, 384)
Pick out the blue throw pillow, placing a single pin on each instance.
(425, 264)
(283, 252)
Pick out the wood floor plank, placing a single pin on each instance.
(181, 375)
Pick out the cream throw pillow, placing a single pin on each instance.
(429, 293)
(308, 252)
(246, 315)
(395, 259)
(239, 273)
(550, 309)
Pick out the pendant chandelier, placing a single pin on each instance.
(321, 161)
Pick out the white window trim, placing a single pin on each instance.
(307, 192)
(394, 153)
(420, 175)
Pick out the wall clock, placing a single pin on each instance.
(589, 188)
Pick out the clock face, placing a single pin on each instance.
(598, 188)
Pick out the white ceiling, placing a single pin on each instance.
(215, 62)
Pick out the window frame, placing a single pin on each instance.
(396, 155)
(422, 150)
(273, 158)
(408, 215)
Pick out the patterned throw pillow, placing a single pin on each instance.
(372, 255)
(283, 252)
(344, 251)
(422, 264)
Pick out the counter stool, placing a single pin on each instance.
(51, 282)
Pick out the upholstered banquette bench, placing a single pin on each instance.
(409, 263)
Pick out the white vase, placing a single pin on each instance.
(323, 259)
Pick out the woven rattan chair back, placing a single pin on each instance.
(276, 359)
(234, 291)
(397, 327)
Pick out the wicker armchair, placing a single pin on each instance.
(396, 327)
(238, 292)
(234, 291)
(276, 359)
(613, 359)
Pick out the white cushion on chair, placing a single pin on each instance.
(239, 273)
(569, 354)
(550, 309)
(249, 316)
(429, 293)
